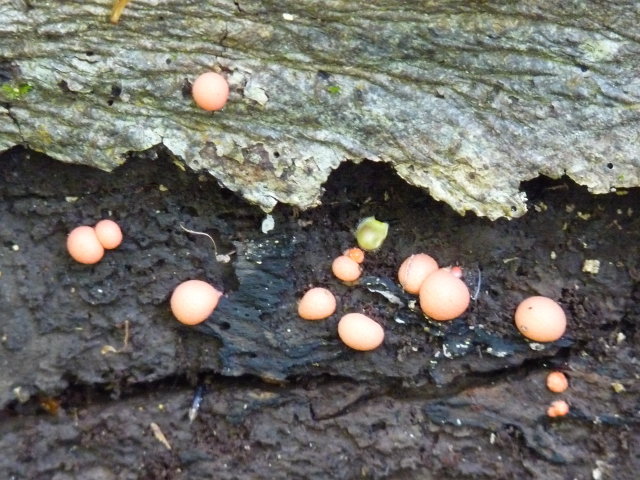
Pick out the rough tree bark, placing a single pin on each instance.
(465, 99)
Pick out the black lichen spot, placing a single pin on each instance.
(186, 88)
(116, 91)
(64, 86)
(8, 71)
(609, 165)
(379, 425)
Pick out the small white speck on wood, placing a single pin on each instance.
(591, 266)
(159, 435)
(268, 224)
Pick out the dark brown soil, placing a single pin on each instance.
(92, 358)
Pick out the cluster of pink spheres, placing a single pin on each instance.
(557, 383)
(87, 244)
(356, 330)
(191, 302)
(442, 296)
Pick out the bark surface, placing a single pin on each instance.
(465, 99)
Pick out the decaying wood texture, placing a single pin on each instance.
(465, 99)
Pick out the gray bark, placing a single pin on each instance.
(465, 99)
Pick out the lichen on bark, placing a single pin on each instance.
(465, 99)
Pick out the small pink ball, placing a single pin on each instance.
(193, 301)
(317, 304)
(108, 233)
(346, 269)
(83, 245)
(360, 332)
(443, 296)
(210, 91)
(540, 319)
(414, 270)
